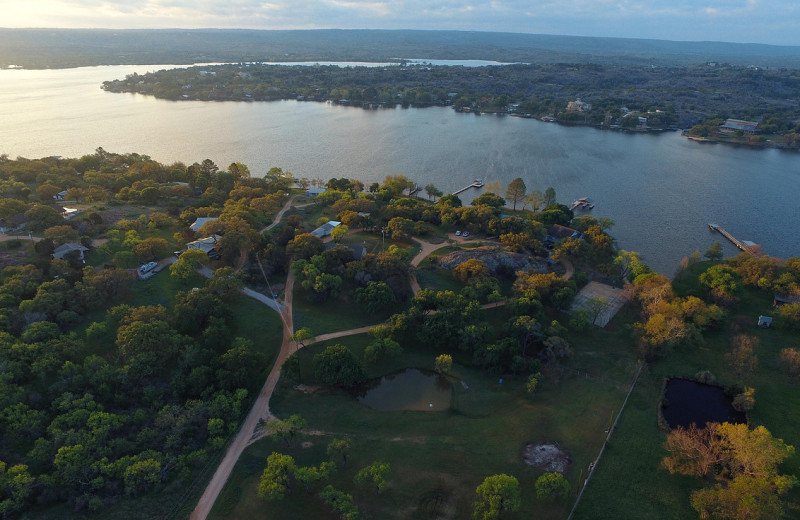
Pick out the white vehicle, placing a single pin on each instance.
(458, 233)
(465, 234)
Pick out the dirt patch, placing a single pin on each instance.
(306, 389)
(307, 444)
(547, 456)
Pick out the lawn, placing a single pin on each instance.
(636, 449)
(334, 314)
(438, 458)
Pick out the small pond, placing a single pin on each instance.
(411, 389)
(687, 402)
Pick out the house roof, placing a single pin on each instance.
(64, 249)
(359, 250)
(204, 244)
(14, 220)
(197, 224)
(560, 232)
(325, 229)
(738, 124)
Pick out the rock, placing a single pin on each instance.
(495, 258)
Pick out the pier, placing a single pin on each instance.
(477, 183)
(583, 203)
(743, 245)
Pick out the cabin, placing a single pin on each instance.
(315, 192)
(325, 229)
(61, 195)
(64, 249)
(208, 245)
(557, 233)
(764, 322)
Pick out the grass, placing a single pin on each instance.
(635, 452)
(332, 315)
(438, 458)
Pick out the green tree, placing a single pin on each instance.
(552, 486)
(187, 264)
(309, 475)
(432, 191)
(339, 232)
(339, 447)
(496, 494)
(443, 363)
(375, 297)
(141, 476)
(374, 475)
(532, 384)
(534, 200)
(16, 487)
(304, 245)
(714, 252)
(275, 481)
(516, 192)
(302, 335)
(151, 249)
(287, 430)
(381, 348)
(470, 270)
(549, 197)
(340, 502)
(336, 365)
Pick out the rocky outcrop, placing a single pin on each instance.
(495, 258)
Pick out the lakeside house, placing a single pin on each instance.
(557, 233)
(325, 229)
(64, 249)
(315, 191)
(735, 125)
(578, 106)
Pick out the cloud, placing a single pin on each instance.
(776, 21)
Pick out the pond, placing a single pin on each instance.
(410, 389)
(687, 402)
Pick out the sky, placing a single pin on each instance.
(746, 21)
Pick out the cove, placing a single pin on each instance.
(410, 389)
(687, 402)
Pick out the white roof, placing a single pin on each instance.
(197, 224)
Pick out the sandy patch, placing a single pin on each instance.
(546, 456)
(614, 298)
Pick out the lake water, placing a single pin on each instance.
(411, 389)
(662, 190)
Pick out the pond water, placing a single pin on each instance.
(411, 389)
(687, 402)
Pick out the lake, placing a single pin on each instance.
(661, 190)
(409, 389)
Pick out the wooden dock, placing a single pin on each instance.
(478, 183)
(743, 245)
(583, 203)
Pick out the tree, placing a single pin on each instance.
(375, 474)
(304, 245)
(742, 359)
(62, 234)
(552, 486)
(532, 384)
(432, 191)
(41, 217)
(789, 359)
(275, 480)
(375, 297)
(714, 252)
(516, 192)
(302, 335)
(336, 365)
(151, 249)
(534, 199)
(381, 348)
(443, 363)
(549, 197)
(339, 447)
(339, 232)
(496, 494)
(308, 475)
(187, 264)
(470, 270)
(16, 487)
(340, 502)
(745, 401)
(596, 306)
(47, 191)
(225, 283)
(287, 429)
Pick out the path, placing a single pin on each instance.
(426, 248)
(258, 413)
(279, 215)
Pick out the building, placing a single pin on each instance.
(764, 321)
(61, 195)
(325, 229)
(315, 192)
(735, 125)
(12, 223)
(359, 250)
(785, 299)
(557, 233)
(197, 224)
(578, 106)
(208, 245)
(64, 249)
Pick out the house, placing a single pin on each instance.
(785, 299)
(207, 245)
(764, 322)
(61, 210)
(325, 229)
(359, 250)
(578, 106)
(69, 213)
(557, 233)
(13, 222)
(197, 224)
(64, 249)
(315, 192)
(61, 195)
(734, 125)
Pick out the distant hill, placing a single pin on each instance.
(62, 48)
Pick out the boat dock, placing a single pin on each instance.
(582, 203)
(413, 191)
(477, 183)
(743, 245)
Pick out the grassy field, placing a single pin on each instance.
(438, 458)
(635, 452)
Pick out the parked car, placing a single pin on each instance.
(458, 233)
(465, 234)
